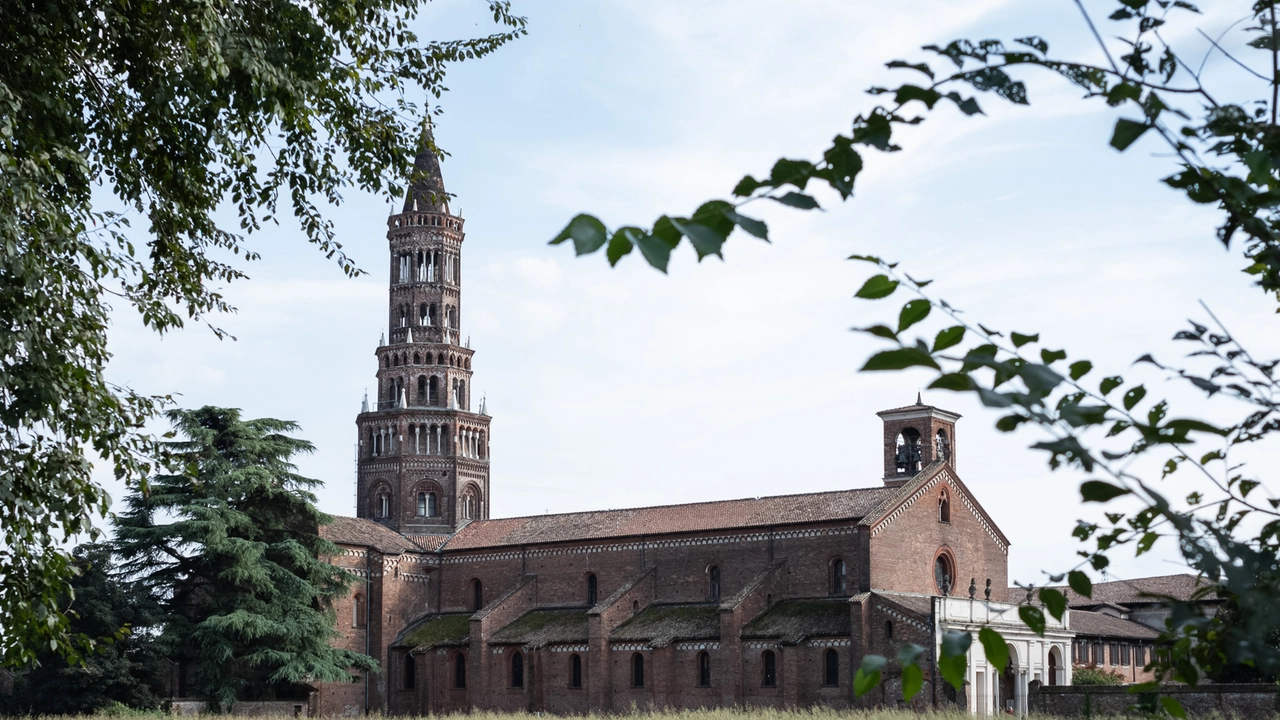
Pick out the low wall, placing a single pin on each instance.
(274, 708)
(1244, 700)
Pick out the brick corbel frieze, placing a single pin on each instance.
(601, 621)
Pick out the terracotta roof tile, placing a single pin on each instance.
(792, 620)
(664, 519)
(1095, 624)
(430, 543)
(540, 627)
(661, 624)
(1131, 592)
(359, 531)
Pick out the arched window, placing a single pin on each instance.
(575, 671)
(591, 589)
(637, 670)
(424, 314)
(460, 671)
(704, 669)
(386, 362)
(713, 582)
(358, 611)
(433, 391)
(467, 363)
(941, 446)
(907, 454)
(477, 595)
(384, 505)
(769, 662)
(417, 358)
(422, 504)
(831, 668)
(422, 387)
(410, 671)
(517, 670)
(888, 629)
(432, 509)
(635, 607)
(944, 507)
(943, 574)
(839, 582)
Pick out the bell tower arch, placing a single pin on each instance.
(915, 437)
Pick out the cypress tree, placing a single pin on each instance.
(230, 548)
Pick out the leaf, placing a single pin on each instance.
(995, 648)
(876, 287)
(1126, 132)
(1134, 396)
(912, 681)
(794, 172)
(954, 660)
(868, 675)
(1051, 356)
(881, 331)
(705, 240)
(1080, 583)
(1033, 617)
(949, 337)
(1172, 706)
(1009, 423)
(1019, 339)
(654, 250)
(1110, 383)
(751, 225)
(1099, 491)
(1039, 378)
(899, 359)
(843, 165)
(913, 312)
(746, 186)
(1080, 368)
(797, 200)
(621, 244)
(587, 232)
(1055, 601)
(919, 67)
(1186, 425)
(960, 382)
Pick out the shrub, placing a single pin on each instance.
(1094, 676)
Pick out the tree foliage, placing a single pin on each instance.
(129, 669)
(1226, 155)
(156, 113)
(230, 549)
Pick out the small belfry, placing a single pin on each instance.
(423, 454)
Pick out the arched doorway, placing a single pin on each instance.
(1007, 702)
(1055, 664)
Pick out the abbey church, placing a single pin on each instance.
(766, 601)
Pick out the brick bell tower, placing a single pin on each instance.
(915, 437)
(423, 464)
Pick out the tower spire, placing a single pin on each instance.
(426, 187)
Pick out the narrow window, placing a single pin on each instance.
(770, 669)
(424, 314)
(941, 446)
(1124, 654)
(943, 574)
(433, 391)
(1115, 653)
(432, 510)
(888, 629)
(838, 578)
(477, 596)
(575, 671)
(704, 669)
(410, 671)
(637, 670)
(831, 668)
(713, 578)
(384, 506)
(357, 611)
(944, 507)
(422, 387)
(591, 589)
(635, 607)
(459, 671)
(422, 504)
(517, 670)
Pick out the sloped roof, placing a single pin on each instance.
(541, 627)
(1088, 623)
(435, 630)
(1136, 591)
(429, 190)
(921, 605)
(667, 519)
(661, 624)
(430, 543)
(792, 620)
(367, 533)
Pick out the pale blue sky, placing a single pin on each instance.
(615, 388)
